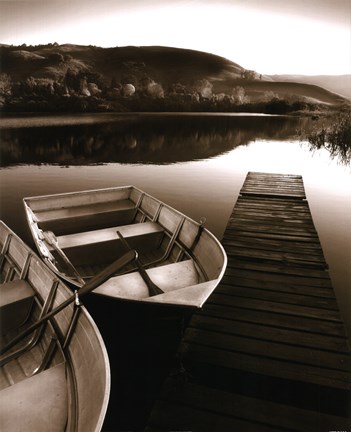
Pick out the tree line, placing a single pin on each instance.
(82, 90)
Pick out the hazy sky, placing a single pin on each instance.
(270, 36)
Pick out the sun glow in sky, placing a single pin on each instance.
(268, 36)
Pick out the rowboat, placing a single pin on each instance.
(179, 261)
(54, 368)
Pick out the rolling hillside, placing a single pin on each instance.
(163, 65)
(340, 84)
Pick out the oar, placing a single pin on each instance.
(88, 287)
(51, 240)
(153, 288)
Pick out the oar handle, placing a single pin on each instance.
(100, 278)
(153, 288)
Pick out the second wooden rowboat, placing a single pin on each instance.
(77, 234)
(54, 372)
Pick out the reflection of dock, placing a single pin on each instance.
(269, 351)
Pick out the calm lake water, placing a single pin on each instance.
(195, 163)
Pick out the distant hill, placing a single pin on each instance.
(340, 84)
(164, 64)
(291, 90)
(109, 67)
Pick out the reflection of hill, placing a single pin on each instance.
(144, 139)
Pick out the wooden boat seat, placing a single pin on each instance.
(16, 299)
(169, 277)
(95, 246)
(38, 403)
(86, 216)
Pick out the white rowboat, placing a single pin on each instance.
(56, 377)
(78, 234)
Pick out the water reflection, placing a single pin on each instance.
(74, 156)
(144, 139)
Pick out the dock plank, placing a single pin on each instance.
(268, 366)
(271, 295)
(271, 330)
(269, 279)
(288, 309)
(267, 349)
(288, 336)
(264, 318)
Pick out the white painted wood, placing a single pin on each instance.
(16, 300)
(86, 353)
(194, 295)
(107, 234)
(15, 291)
(85, 248)
(38, 403)
(83, 210)
(70, 199)
(168, 277)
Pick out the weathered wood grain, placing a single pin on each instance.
(273, 321)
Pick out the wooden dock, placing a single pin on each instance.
(269, 351)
